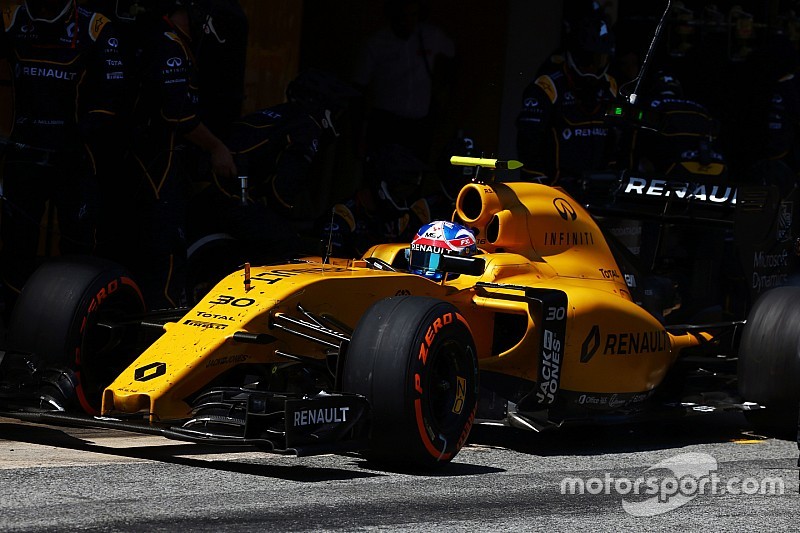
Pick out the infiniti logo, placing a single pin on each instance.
(113, 42)
(564, 209)
(174, 62)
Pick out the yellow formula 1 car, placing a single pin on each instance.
(542, 326)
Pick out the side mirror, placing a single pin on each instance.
(471, 266)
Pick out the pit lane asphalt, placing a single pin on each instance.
(54, 478)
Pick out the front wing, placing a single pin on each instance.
(280, 423)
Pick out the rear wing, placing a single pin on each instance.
(711, 201)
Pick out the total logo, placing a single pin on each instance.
(271, 114)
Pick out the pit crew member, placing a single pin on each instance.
(68, 77)
(561, 132)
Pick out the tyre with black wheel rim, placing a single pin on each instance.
(414, 359)
(208, 260)
(769, 359)
(70, 314)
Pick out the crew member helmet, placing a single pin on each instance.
(667, 86)
(453, 177)
(322, 94)
(590, 46)
(435, 240)
(395, 174)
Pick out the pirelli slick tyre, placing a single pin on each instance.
(414, 359)
(769, 359)
(208, 260)
(57, 317)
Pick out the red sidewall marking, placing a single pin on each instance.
(85, 405)
(437, 454)
(97, 300)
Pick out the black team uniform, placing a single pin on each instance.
(68, 82)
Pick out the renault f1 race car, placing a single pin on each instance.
(548, 323)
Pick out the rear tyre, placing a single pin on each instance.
(769, 359)
(209, 259)
(64, 316)
(414, 359)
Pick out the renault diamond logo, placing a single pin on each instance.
(590, 344)
(151, 371)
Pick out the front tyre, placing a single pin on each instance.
(414, 359)
(66, 315)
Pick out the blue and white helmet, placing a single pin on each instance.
(436, 239)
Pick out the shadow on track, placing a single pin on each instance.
(60, 437)
(353, 465)
(622, 437)
(576, 440)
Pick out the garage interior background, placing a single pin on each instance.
(500, 44)
(712, 45)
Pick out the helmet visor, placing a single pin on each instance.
(426, 261)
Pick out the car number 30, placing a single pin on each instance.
(232, 300)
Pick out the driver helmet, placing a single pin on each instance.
(436, 239)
